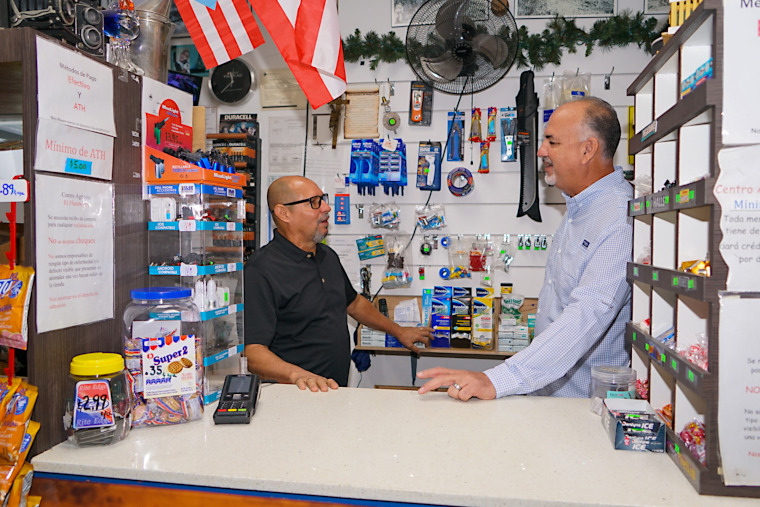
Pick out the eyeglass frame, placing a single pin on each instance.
(324, 197)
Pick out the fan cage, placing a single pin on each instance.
(480, 17)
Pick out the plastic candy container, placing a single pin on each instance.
(611, 382)
(99, 410)
(164, 354)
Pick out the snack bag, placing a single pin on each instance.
(9, 472)
(6, 393)
(13, 425)
(22, 484)
(15, 291)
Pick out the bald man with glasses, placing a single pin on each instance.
(297, 297)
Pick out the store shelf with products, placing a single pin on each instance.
(202, 248)
(245, 151)
(495, 351)
(678, 272)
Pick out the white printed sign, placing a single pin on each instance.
(739, 397)
(70, 150)
(75, 247)
(741, 108)
(738, 192)
(74, 89)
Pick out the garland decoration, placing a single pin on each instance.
(534, 50)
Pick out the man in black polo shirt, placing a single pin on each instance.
(297, 296)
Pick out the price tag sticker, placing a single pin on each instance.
(168, 366)
(231, 226)
(188, 270)
(390, 144)
(186, 189)
(93, 407)
(187, 225)
(14, 190)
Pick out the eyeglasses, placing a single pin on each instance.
(315, 201)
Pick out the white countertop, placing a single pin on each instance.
(397, 446)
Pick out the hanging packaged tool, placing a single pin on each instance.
(508, 134)
(491, 125)
(392, 166)
(420, 104)
(527, 137)
(384, 216)
(455, 128)
(429, 166)
(430, 217)
(552, 97)
(397, 273)
(365, 165)
(475, 133)
(484, 167)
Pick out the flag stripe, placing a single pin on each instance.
(249, 31)
(223, 28)
(196, 32)
(223, 33)
(296, 28)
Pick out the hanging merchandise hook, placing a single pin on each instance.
(607, 79)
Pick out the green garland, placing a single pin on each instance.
(534, 50)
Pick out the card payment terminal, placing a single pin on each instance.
(237, 402)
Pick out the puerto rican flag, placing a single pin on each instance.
(306, 32)
(220, 33)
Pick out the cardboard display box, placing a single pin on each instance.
(633, 425)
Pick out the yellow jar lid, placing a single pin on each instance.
(96, 363)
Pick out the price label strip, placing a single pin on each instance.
(14, 190)
(93, 406)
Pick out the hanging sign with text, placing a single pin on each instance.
(738, 192)
(70, 150)
(74, 89)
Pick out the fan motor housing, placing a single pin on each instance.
(462, 51)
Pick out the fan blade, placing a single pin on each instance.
(443, 69)
(449, 20)
(492, 47)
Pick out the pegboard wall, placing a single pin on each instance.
(491, 207)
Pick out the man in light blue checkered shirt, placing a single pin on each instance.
(585, 300)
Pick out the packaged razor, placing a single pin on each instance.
(429, 166)
(508, 119)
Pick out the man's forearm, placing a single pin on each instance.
(364, 313)
(268, 366)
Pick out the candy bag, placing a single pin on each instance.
(15, 290)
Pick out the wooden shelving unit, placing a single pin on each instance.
(678, 139)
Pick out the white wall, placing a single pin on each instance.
(492, 206)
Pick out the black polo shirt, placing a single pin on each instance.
(295, 304)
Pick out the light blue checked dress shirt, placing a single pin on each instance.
(585, 301)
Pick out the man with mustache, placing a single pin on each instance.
(297, 296)
(584, 303)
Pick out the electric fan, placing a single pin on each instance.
(462, 45)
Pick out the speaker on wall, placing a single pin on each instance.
(89, 29)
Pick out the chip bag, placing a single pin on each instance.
(13, 426)
(9, 472)
(22, 484)
(6, 393)
(15, 291)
